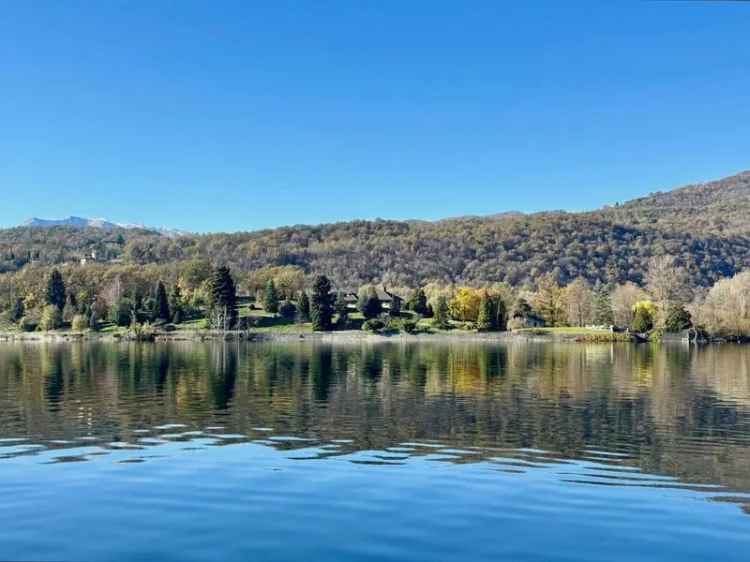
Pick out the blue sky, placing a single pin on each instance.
(223, 116)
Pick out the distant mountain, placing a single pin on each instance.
(104, 224)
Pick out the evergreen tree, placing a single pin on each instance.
(603, 315)
(342, 311)
(321, 304)
(287, 310)
(440, 313)
(418, 302)
(175, 304)
(161, 304)
(17, 311)
(271, 300)
(51, 318)
(55, 294)
(121, 312)
(303, 308)
(93, 321)
(223, 299)
(677, 319)
(395, 310)
(522, 309)
(643, 320)
(500, 314)
(368, 302)
(485, 316)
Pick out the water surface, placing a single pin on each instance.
(374, 452)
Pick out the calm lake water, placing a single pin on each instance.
(374, 452)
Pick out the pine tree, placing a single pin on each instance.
(175, 304)
(303, 308)
(271, 300)
(418, 302)
(440, 313)
(161, 304)
(55, 290)
(500, 314)
(485, 315)
(368, 302)
(321, 305)
(603, 315)
(93, 321)
(17, 311)
(342, 311)
(395, 309)
(223, 295)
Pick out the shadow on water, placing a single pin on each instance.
(665, 416)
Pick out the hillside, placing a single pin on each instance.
(707, 227)
(717, 207)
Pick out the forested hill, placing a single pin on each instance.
(716, 207)
(707, 227)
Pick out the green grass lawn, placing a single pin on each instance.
(569, 330)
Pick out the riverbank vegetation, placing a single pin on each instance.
(196, 295)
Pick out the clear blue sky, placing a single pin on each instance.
(240, 115)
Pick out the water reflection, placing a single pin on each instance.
(599, 415)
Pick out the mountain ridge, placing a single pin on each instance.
(104, 224)
(706, 227)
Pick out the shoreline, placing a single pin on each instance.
(347, 336)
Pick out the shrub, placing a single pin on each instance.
(80, 323)
(678, 319)
(440, 319)
(373, 325)
(51, 318)
(287, 310)
(643, 318)
(141, 332)
(26, 324)
(368, 302)
(120, 312)
(409, 326)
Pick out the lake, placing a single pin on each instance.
(398, 451)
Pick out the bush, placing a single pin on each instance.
(368, 302)
(409, 326)
(27, 324)
(373, 325)
(678, 319)
(287, 310)
(643, 320)
(141, 332)
(120, 312)
(51, 318)
(79, 323)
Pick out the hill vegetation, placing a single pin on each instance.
(648, 264)
(706, 228)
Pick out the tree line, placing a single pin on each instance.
(125, 295)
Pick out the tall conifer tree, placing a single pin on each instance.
(223, 305)
(321, 305)
(55, 294)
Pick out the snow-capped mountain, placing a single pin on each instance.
(81, 222)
